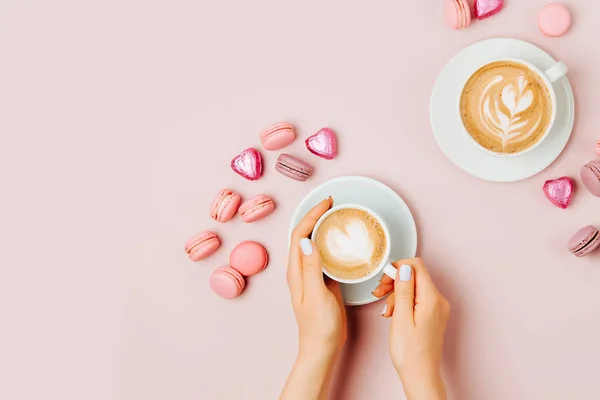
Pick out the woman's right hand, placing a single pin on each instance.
(419, 316)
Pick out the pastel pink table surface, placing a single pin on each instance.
(154, 99)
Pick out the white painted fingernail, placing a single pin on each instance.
(385, 307)
(405, 273)
(306, 247)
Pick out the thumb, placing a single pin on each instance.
(404, 287)
(312, 271)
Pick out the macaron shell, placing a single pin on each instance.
(465, 13)
(457, 13)
(277, 136)
(202, 246)
(256, 208)
(227, 282)
(249, 258)
(554, 20)
(585, 241)
(451, 14)
(293, 167)
(590, 175)
(225, 205)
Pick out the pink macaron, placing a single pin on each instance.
(590, 175)
(256, 208)
(598, 147)
(225, 205)
(293, 167)
(202, 245)
(277, 136)
(227, 282)
(457, 13)
(585, 241)
(249, 258)
(554, 20)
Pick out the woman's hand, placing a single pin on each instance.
(319, 310)
(419, 316)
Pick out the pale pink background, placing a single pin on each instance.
(119, 119)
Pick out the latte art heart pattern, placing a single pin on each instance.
(350, 245)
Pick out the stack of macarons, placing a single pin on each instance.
(246, 259)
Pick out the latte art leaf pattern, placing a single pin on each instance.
(503, 115)
(506, 107)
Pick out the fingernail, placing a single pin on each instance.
(385, 307)
(306, 246)
(405, 273)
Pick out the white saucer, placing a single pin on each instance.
(447, 125)
(382, 200)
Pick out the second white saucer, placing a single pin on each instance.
(447, 125)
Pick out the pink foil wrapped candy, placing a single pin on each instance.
(560, 191)
(323, 144)
(248, 164)
(486, 8)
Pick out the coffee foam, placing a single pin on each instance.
(351, 242)
(506, 107)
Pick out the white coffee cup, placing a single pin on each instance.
(550, 76)
(385, 264)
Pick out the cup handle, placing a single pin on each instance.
(390, 270)
(556, 71)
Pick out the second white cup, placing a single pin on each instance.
(549, 77)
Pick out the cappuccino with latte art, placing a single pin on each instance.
(506, 107)
(352, 243)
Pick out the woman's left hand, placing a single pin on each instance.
(317, 300)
